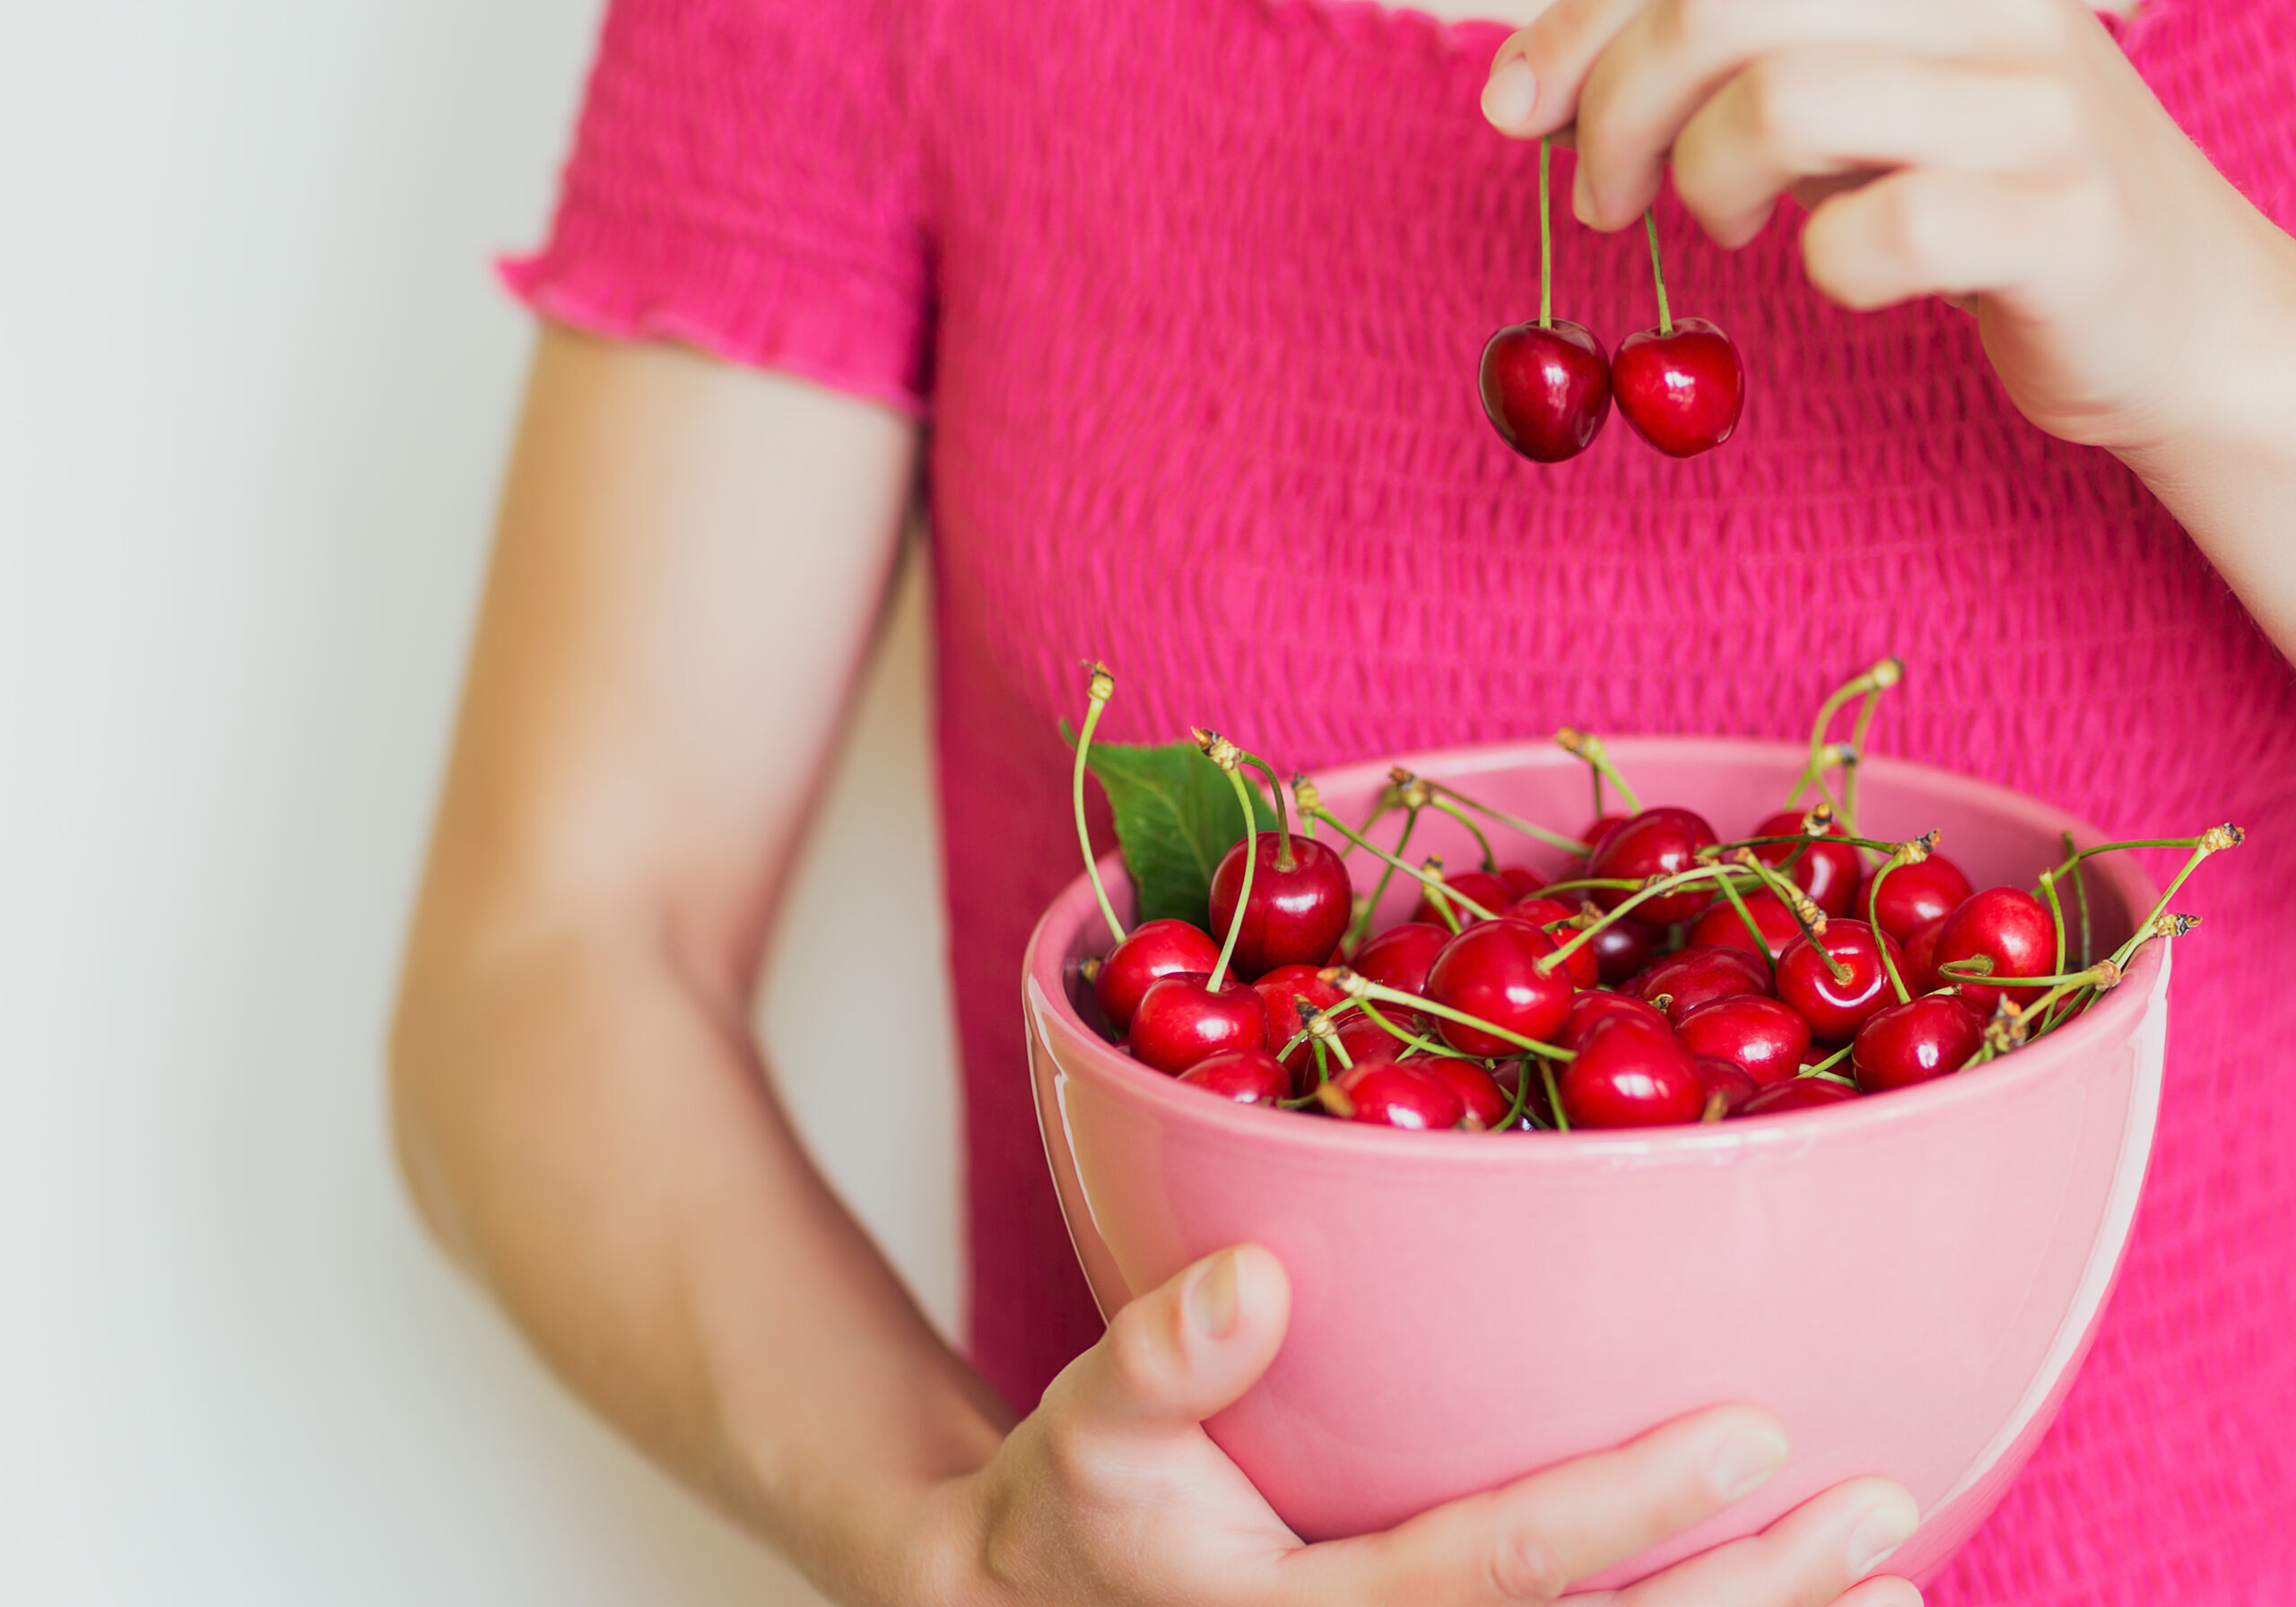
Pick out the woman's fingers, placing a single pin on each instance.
(1535, 76)
(1181, 1352)
(1831, 111)
(1931, 231)
(1807, 1559)
(1532, 1540)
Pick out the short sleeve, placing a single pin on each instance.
(746, 179)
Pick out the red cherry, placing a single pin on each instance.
(1763, 1038)
(1586, 1010)
(1490, 972)
(1827, 870)
(1598, 828)
(1913, 896)
(1623, 948)
(1484, 888)
(1694, 976)
(1543, 913)
(1924, 1038)
(1391, 1094)
(1283, 990)
(1180, 1021)
(1521, 879)
(1682, 390)
(1155, 949)
(1363, 1039)
(1246, 1076)
(1836, 1010)
(1797, 1093)
(1297, 916)
(1721, 927)
(1546, 390)
(2011, 926)
(1401, 957)
(1485, 1102)
(1658, 842)
(1631, 1075)
(1719, 1076)
(1921, 957)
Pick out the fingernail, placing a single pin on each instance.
(1582, 198)
(1878, 1534)
(1212, 1304)
(1746, 1460)
(1512, 93)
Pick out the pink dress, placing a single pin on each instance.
(1189, 293)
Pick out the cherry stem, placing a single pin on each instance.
(1363, 927)
(2079, 895)
(1582, 884)
(1563, 952)
(1546, 245)
(1102, 688)
(1761, 944)
(1801, 838)
(1795, 901)
(1658, 275)
(2227, 836)
(1868, 684)
(1589, 747)
(2103, 974)
(1308, 1019)
(1553, 1097)
(1536, 833)
(1438, 893)
(1881, 943)
(1408, 1038)
(1826, 1065)
(2055, 915)
(1244, 893)
(1490, 860)
(1363, 987)
(2074, 858)
(1395, 863)
(1283, 860)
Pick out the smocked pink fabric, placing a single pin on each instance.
(1191, 293)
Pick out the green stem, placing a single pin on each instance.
(1794, 899)
(1244, 894)
(2072, 858)
(1103, 687)
(1394, 862)
(1553, 1097)
(2055, 915)
(1881, 938)
(1589, 747)
(1826, 1065)
(1546, 243)
(2080, 896)
(1801, 837)
(1553, 839)
(1408, 1038)
(1283, 860)
(1563, 952)
(1658, 276)
(1362, 987)
(1363, 927)
(1761, 942)
(2201, 850)
(1490, 860)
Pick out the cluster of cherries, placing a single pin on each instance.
(1547, 386)
(1666, 978)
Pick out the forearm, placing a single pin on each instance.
(591, 1133)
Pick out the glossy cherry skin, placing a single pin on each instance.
(1388, 1093)
(2010, 924)
(1719, 1076)
(1797, 1093)
(1691, 977)
(1682, 390)
(1631, 1075)
(1246, 1076)
(1836, 1010)
(1623, 948)
(1546, 390)
(1762, 1038)
(1658, 842)
(1283, 990)
(1297, 916)
(1598, 828)
(1364, 1039)
(1586, 1010)
(1180, 1021)
(1721, 927)
(1485, 1102)
(1913, 896)
(1401, 957)
(1544, 913)
(1491, 972)
(1484, 888)
(1521, 879)
(1924, 1038)
(1827, 870)
(1155, 948)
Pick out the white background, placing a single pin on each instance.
(255, 388)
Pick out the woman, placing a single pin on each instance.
(1191, 292)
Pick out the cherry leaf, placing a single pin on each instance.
(1175, 815)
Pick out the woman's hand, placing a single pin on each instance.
(2000, 153)
(1113, 1493)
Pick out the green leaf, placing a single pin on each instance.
(1175, 815)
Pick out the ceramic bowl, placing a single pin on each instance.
(1911, 1280)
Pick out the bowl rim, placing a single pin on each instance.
(2115, 1017)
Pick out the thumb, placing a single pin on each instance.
(1184, 1351)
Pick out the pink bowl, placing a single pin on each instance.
(1911, 1280)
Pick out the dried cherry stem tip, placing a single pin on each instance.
(1099, 688)
(1309, 797)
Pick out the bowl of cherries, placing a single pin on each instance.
(1789, 1074)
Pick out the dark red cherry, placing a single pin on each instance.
(1483, 888)
(1913, 896)
(1283, 990)
(1721, 927)
(1390, 1094)
(1155, 949)
(1546, 390)
(1921, 958)
(1763, 1038)
(1180, 1021)
(1297, 916)
(1827, 870)
(1485, 1102)
(1490, 971)
(2011, 926)
(1836, 1010)
(1401, 957)
(1623, 948)
(1682, 390)
(1521, 879)
(1797, 1093)
(1629, 1075)
(1691, 977)
(1544, 913)
(1246, 1076)
(1719, 1076)
(1658, 842)
(1913, 1042)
